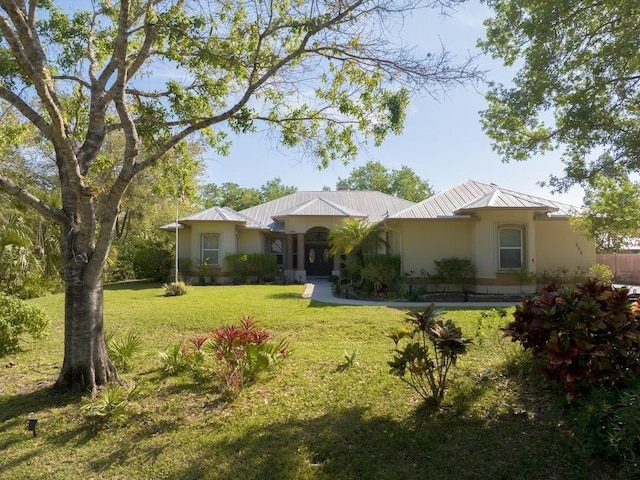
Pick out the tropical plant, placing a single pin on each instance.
(111, 404)
(123, 352)
(349, 361)
(16, 318)
(430, 348)
(241, 352)
(587, 335)
(356, 237)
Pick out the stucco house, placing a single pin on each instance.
(500, 230)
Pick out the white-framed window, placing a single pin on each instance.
(510, 247)
(210, 248)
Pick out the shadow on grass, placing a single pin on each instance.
(350, 444)
(133, 285)
(21, 405)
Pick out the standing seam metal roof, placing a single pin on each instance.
(471, 195)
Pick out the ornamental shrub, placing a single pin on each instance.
(16, 318)
(426, 351)
(587, 335)
(233, 355)
(460, 272)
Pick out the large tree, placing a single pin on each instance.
(577, 87)
(610, 218)
(324, 75)
(403, 182)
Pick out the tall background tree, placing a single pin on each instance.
(234, 196)
(403, 183)
(577, 87)
(324, 75)
(611, 216)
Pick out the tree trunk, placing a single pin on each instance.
(86, 362)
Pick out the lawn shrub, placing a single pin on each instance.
(460, 272)
(16, 318)
(381, 272)
(587, 335)
(608, 423)
(175, 289)
(233, 355)
(426, 351)
(237, 264)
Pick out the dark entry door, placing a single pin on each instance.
(317, 261)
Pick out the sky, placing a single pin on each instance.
(442, 142)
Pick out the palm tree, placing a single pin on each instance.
(355, 237)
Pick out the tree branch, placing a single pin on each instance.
(32, 201)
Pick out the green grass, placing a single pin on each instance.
(307, 419)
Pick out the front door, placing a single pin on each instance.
(318, 262)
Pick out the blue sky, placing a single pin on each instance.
(443, 141)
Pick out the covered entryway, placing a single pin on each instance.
(318, 262)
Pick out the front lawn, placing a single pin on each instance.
(306, 419)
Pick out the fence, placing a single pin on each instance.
(625, 266)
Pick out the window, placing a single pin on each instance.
(510, 248)
(277, 248)
(210, 248)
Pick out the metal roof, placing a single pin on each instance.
(216, 214)
(470, 196)
(320, 207)
(375, 206)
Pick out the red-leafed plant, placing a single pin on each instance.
(587, 335)
(242, 352)
(234, 354)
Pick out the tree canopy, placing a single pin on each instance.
(577, 87)
(236, 197)
(324, 76)
(403, 183)
(611, 216)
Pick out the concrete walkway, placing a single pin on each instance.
(320, 291)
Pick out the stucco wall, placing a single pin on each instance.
(251, 241)
(422, 242)
(485, 254)
(303, 224)
(228, 242)
(559, 247)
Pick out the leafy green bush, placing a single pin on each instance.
(587, 335)
(241, 265)
(140, 258)
(460, 272)
(431, 348)
(16, 318)
(381, 271)
(601, 272)
(264, 265)
(175, 289)
(237, 265)
(607, 422)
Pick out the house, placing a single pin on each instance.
(502, 231)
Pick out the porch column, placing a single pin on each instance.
(289, 259)
(300, 252)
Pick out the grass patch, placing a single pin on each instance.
(306, 419)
